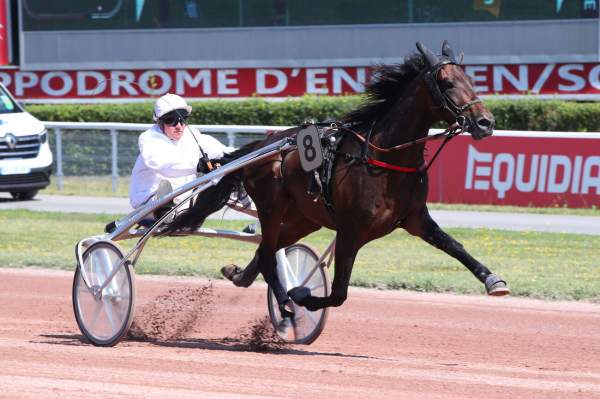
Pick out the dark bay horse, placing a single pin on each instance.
(372, 192)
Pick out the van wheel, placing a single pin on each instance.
(23, 195)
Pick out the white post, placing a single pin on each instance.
(59, 167)
(230, 138)
(114, 167)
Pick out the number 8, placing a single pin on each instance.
(310, 151)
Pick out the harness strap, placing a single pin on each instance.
(367, 141)
(450, 130)
(447, 134)
(385, 165)
(446, 140)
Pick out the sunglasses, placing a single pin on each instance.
(173, 120)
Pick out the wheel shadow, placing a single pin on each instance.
(222, 344)
(17, 201)
(64, 339)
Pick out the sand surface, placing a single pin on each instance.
(193, 338)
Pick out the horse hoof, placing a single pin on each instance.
(495, 286)
(299, 294)
(284, 325)
(285, 329)
(230, 271)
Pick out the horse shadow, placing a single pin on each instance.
(237, 345)
(218, 344)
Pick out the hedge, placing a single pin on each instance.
(529, 114)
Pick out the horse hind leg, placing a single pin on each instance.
(264, 261)
(294, 227)
(242, 277)
(272, 203)
(422, 225)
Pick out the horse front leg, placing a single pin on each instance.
(345, 254)
(422, 225)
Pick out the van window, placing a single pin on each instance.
(7, 105)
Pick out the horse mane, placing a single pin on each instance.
(387, 86)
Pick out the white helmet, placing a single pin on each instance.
(168, 103)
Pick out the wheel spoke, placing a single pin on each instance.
(301, 266)
(293, 258)
(100, 271)
(314, 287)
(311, 273)
(123, 283)
(93, 276)
(312, 318)
(82, 288)
(290, 276)
(109, 310)
(96, 314)
(116, 296)
(298, 265)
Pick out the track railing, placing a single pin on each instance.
(231, 132)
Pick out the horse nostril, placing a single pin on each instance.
(485, 123)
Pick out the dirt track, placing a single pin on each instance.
(378, 345)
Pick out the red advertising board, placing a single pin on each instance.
(575, 80)
(4, 45)
(526, 169)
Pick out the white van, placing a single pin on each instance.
(25, 156)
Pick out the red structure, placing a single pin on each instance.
(524, 169)
(4, 37)
(566, 80)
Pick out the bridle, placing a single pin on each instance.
(442, 100)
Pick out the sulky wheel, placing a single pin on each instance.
(103, 318)
(299, 262)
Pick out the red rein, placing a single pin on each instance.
(452, 129)
(389, 166)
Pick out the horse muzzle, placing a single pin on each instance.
(481, 128)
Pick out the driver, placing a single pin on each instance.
(171, 152)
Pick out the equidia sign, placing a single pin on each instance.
(511, 168)
(556, 173)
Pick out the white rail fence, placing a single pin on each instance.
(232, 135)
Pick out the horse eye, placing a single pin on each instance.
(446, 85)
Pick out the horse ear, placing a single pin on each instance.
(447, 50)
(429, 56)
(461, 58)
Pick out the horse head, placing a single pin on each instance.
(453, 95)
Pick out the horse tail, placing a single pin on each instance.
(213, 198)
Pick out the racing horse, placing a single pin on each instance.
(379, 179)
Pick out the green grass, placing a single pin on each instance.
(96, 186)
(541, 265)
(101, 186)
(555, 210)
